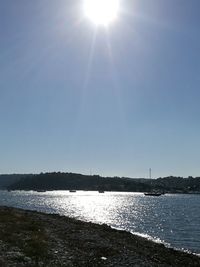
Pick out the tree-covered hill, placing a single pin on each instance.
(8, 179)
(74, 181)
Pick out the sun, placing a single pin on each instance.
(101, 12)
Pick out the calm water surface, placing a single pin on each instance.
(172, 219)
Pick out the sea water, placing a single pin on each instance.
(173, 219)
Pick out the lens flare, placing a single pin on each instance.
(101, 12)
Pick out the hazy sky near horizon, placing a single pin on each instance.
(109, 101)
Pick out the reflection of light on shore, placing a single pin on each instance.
(99, 208)
(113, 208)
(93, 207)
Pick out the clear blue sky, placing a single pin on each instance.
(113, 101)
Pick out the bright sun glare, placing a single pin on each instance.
(101, 12)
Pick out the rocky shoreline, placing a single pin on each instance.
(29, 238)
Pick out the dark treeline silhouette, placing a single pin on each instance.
(178, 184)
(8, 179)
(74, 181)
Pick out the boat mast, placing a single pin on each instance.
(149, 173)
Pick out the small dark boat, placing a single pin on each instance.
(72, 191)
(101, 191)
(154, 194)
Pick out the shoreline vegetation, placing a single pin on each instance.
(74, 181)
(30, 239)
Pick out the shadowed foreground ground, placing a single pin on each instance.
(30, 238)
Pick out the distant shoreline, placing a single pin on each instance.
(75, 181)
(108, 191)
(30, 238)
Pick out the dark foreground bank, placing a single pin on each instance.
(30, 238)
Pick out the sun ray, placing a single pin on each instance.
(87, 74)
(115, 81)
(91, 54)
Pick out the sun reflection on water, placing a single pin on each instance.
(95, 207)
